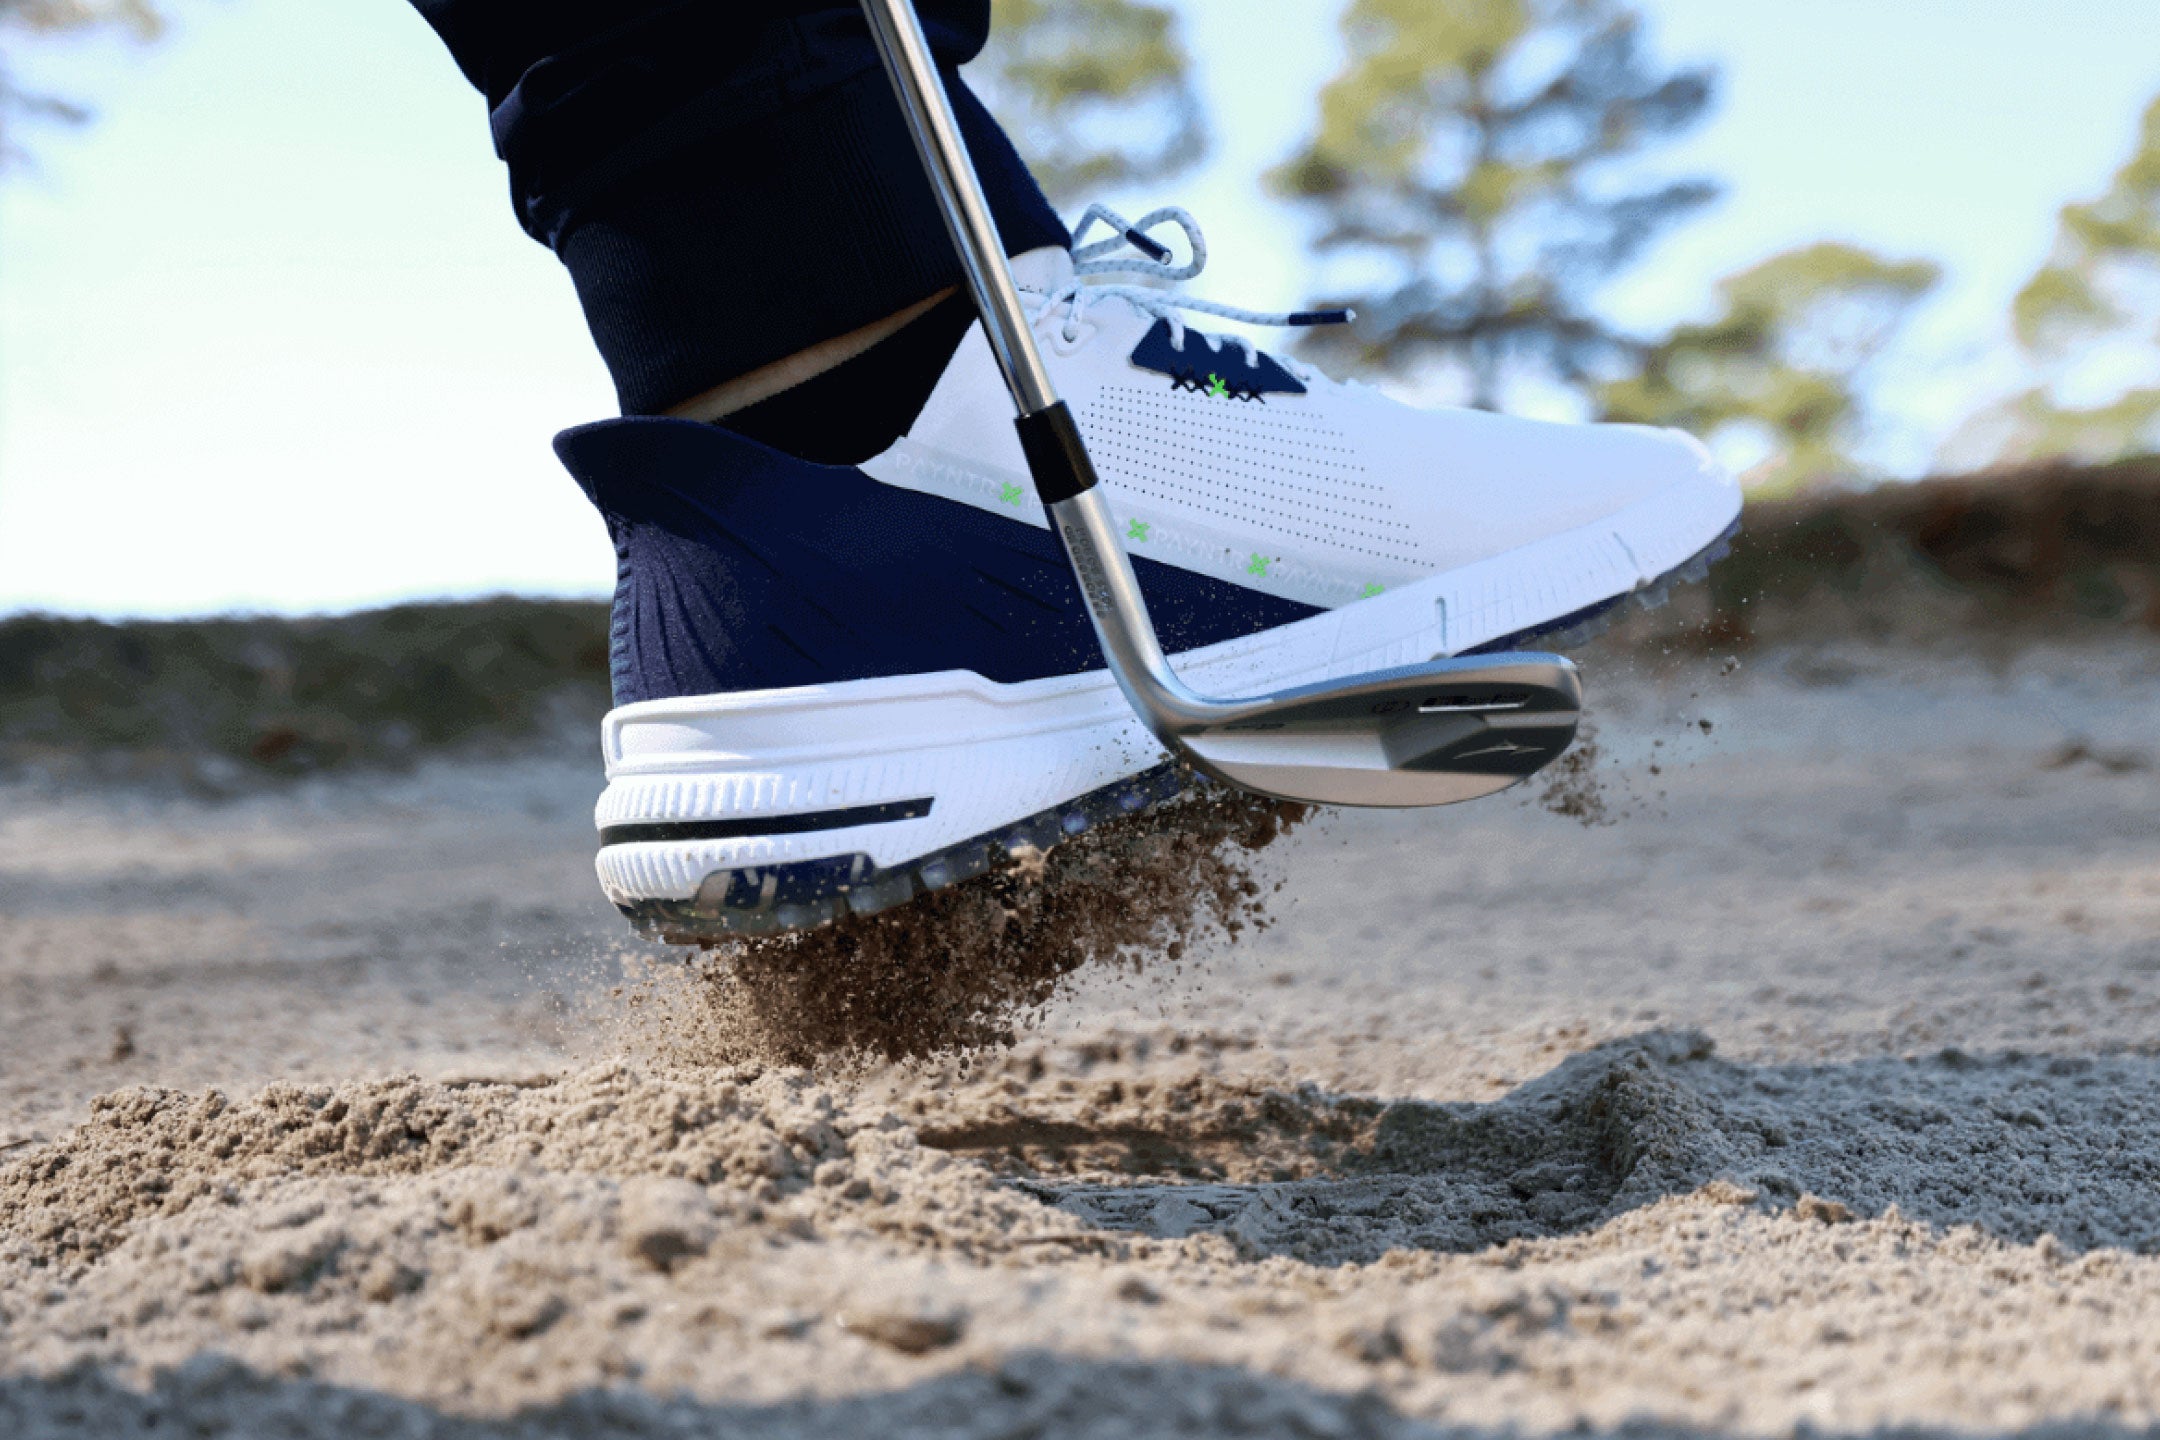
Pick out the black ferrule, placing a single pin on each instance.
(1057, 457)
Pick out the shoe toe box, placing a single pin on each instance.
(1487, 484)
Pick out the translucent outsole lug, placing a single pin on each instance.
(742, 903)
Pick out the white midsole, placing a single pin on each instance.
(990, 754)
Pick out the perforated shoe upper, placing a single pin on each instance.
(1227, 462)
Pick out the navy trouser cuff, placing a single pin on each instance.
(777, 234)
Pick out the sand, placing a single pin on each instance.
(1793, 1071)
(973, 965)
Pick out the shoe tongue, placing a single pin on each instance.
(1044, 270)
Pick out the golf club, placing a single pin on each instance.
(1428, 734)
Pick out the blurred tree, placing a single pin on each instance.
(137, 18)
(1467, 158)
(1783, 361)
(2091, 318)
(1096, 92)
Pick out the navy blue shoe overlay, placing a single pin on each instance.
(1214, 367)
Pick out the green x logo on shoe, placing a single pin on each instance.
(1010, 494)
(1137, 530)
(1257, 565)
(1218, 388)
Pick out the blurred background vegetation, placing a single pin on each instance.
(1484, 167)
(1474, 178)
(1477, 175)
(1100, 92)
(2096, 301)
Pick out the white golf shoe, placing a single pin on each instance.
(839, 685)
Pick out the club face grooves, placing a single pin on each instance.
(1457, 703)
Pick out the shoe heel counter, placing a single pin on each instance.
(683, 591)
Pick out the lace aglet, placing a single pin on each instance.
(1153, 249)
(1321, 317)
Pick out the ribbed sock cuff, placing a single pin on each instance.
(769, 238)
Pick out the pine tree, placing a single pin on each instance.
(1096, 93)
(2095, 307)
(1785, 358)
(1469, 158)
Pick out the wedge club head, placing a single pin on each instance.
(1424, 735)
(1427, 734)
(1430, 734)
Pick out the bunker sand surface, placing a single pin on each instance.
(1809, 1077)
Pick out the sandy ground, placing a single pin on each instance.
(1817, 1090)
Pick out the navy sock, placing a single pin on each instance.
(860, 406)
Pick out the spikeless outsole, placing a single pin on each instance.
(804, 896)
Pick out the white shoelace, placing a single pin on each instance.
(1131, 251)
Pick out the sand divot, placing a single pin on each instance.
(970, 967)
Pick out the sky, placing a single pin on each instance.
(270, 339)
